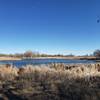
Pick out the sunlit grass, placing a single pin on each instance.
(58, 81)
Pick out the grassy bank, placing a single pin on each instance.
(74, 58)
(9, 58)
(50, 82)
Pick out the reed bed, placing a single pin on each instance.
(51, 82)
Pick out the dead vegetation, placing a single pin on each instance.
(50, 82)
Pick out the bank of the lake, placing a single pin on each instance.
(9, 58)
(74, 57)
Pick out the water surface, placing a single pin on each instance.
(20, 63)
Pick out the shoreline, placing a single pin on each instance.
(70, 58)
(9, 58)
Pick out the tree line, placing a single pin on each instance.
(30, 53)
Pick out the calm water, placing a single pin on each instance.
(44, 61)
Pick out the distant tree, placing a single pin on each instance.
(36, 54)
(4, 55)
(43, 55)
(28, 54)
(96, 53)
(70, 55)
(19, 55)
(86, 55)
(11, 55)
(58, 55)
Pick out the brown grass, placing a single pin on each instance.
(9, 58)
(52, 82)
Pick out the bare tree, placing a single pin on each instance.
(28, 54)
(97, 53)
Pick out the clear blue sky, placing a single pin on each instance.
(49, 26)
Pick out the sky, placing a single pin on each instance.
(49, 26)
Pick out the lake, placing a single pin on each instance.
(20, 63)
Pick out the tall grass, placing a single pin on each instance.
(56, 71)
(54, 81)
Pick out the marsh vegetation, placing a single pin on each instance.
(50, 82)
